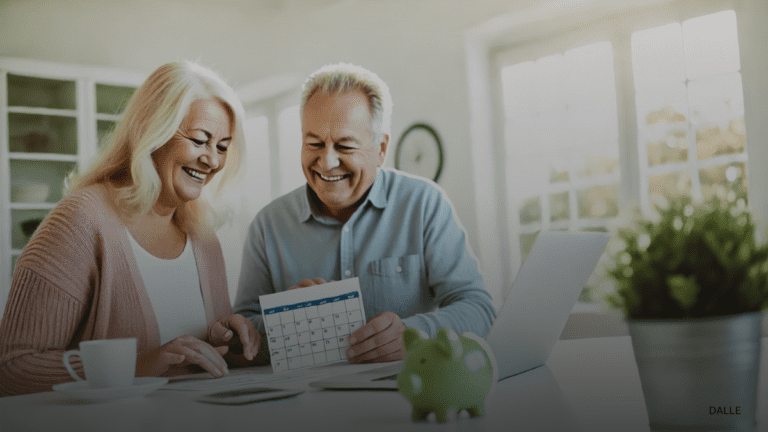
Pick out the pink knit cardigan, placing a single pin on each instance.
(78, 280)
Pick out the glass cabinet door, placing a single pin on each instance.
(42, 150)
(110, 101)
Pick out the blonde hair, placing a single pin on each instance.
(341, 78)
(151, 117)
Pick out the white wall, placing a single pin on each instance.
(416, 46)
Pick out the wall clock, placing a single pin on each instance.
(419, 151)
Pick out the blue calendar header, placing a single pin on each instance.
(317, 302)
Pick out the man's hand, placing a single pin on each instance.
(380, 340)
(222, 333)
(182, 351)
(309, 282)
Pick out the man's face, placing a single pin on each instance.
(340, 155)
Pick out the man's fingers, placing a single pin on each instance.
(374, 342)
(308, 282)
(375, 325)
(392, 350)
(247, 339)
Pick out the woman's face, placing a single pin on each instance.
(195, 153)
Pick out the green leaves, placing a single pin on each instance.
(690, 261)
(684, 289)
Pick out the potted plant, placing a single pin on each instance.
(691, 283)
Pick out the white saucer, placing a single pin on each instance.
(80, 390)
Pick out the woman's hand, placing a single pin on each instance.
(247, 342)
(182, 351)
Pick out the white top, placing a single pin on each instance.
(173, 286)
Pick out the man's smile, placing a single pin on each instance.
(333, 178)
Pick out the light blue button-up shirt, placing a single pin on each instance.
(404, 243)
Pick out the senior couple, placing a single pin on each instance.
(131, 250)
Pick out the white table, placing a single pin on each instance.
(587, 385)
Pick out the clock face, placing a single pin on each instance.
(419, 152)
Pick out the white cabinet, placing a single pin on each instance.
(52, 117)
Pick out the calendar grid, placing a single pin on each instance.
(314, 330)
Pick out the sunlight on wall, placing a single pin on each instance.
(251, 194)
(289, 138)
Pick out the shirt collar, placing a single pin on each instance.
(375, 196)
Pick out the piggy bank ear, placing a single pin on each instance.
(448, 342)
(411, 338)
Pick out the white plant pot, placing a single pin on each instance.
(699, 374)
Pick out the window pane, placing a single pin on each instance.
(662, 105)
(706, 100)
(530, 210)
(670, 186)
(521, 135)
(599, 202)
(549, 83)
(717, 113)
(588, 74)
(673, 147)
(551, 136)
(717, 99)
(527, 172)
(662, 114)
(599, 158)
(561, 123)
(657, 56)
(559, 207)
(707, 35)
(724, 181)
(518, 80)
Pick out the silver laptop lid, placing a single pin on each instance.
(541, 298)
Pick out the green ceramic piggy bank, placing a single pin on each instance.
(447, 374)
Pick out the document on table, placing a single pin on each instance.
(307, 330)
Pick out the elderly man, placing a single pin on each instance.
(397, 233)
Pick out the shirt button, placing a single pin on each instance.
(399, 269)
(346, 229)
(347, 273)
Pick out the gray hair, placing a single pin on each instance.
(341, 78)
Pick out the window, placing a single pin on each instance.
(561, 141)
(633, 108)
(690, 109)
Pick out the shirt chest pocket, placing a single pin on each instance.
(398, 283)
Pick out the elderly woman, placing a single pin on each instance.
(131, 250)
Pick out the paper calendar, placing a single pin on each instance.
(309, 326)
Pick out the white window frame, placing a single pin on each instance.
(556, 19)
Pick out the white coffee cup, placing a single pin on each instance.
(108, 363)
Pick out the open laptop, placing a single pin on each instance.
(534, 313)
